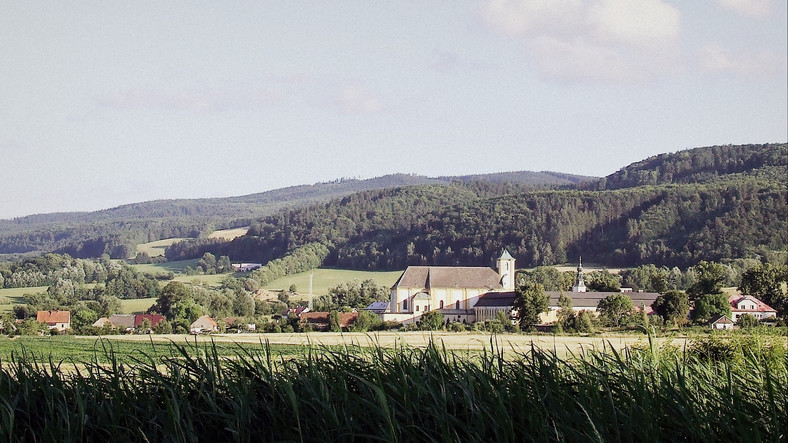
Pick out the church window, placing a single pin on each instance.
(457, 305)
(417, 308)
(405, 305)
(441, 305)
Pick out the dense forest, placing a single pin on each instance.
(675, 209)
(117, 231)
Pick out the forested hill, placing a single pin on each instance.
(116, 231)
(701, 212)
(695, 166)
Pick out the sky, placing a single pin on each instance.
(108, 103)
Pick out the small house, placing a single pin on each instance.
(204, 325)
(319, 321)
(60, 320)
(720, 321)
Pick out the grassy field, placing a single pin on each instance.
(136, 306)
(325, 278)
(229, 234)
(156, 248)
(13, 296)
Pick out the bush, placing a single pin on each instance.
(456, 326)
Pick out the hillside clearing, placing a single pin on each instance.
(327, 278)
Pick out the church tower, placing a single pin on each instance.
(506, 270)
(580, 285)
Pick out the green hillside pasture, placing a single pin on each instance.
(156, 248)
(229, 234)
(13, 296)
(176, 267)
(137, 305)
(325, 278)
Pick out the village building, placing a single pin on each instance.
(320, 321)
(720, 321)
(454, 290)
(128, 322)
(60, 320)
(204, 325)
(747, 304)
(471, 294)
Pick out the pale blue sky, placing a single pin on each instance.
(107, 103)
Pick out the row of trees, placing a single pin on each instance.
(703, 298)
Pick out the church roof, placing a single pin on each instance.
(505, 255)
(448, 277)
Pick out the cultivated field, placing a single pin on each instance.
(508, 343)
(229, 234)
(325, 278)
(156, 248)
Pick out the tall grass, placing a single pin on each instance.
(403, 394)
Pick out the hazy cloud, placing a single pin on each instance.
(599, 40)
(750, 8)
(357, 100)
(193, 101)
(718, 59)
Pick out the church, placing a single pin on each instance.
(468, 294)
(454, 290)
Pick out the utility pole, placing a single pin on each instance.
(311, 295)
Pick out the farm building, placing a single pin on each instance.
(720, 321)
(203, 325)
(60, 320)
(747, 304)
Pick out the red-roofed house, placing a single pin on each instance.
(319, 320)
(60, 320)
(747, 304)
(154, 319)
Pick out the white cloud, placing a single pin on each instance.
(193, 100)
(750, 8)
(718, 59)
(357, 100)
(598, 40)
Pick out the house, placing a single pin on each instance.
(124, 322)
(747, 304)
(246, 267)
(378, 307)
(128, 322)
(297, 311)
(154, 319)
(204, 325)
(319, 321)
(237, 325)
(60, 320)
(720, 321)
(489, 304)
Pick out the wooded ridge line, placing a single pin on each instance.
(713, 203)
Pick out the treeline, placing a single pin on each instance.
(52, 269)
(695, 166)
(118, 230)
(740, 215)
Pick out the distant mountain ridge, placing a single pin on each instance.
(708, 203)
(116, 230)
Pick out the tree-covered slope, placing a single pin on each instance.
(727, 212)
(116, 231)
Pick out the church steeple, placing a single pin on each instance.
(580, 285)
(506, 270)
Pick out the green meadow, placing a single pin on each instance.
(325, 278)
